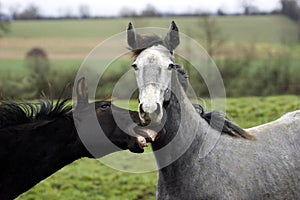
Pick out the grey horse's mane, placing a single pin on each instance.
(215, 119)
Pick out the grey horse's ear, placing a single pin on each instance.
(131, 36)
(172, 38)
(82, 92)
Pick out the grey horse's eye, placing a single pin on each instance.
(171, 66)
(134, 66)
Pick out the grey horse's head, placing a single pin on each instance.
(153, 64)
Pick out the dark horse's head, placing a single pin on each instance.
(36, 140)
(129, 136)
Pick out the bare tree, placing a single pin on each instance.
(299, 30)
(214, 38)
(31, 12)
(291, 8)
(220, 12)
(38, 64)
(14, 10)
(149, 11)
(127, 12)
(84, 11)
(246, 5)
(66, 13)
(4, 25)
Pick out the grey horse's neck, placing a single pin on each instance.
(184, 127)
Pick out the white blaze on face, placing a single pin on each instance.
(150, 102)
(153, 78)
(149, 97)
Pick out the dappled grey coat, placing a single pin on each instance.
(265, 168)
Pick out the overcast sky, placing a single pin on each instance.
(112, 7)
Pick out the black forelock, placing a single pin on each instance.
(12, 113)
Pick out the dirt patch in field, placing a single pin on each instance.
(16, 48)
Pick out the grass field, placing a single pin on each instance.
(89, 179)
(68, 42)
(252, 29)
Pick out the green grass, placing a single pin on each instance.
(253, 111)
(14, 66)
(67, 42)
(65, 28)
(264, 29)
(89, 179)
(17, 66)
(271, 29)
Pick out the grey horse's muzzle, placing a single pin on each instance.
(150, 107)
(148, 117)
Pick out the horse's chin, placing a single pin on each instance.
(152, 119)
(152, 122)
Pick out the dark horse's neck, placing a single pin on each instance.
(30, 153)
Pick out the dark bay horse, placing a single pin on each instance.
(265, 168)
(37, 140)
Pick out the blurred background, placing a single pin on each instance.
(254, 43)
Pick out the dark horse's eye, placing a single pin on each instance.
(105, 106)
(134, 66)
(171, 66)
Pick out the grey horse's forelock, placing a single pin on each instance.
(146, 41)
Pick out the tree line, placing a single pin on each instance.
(289, 8)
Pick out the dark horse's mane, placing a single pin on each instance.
(12, 113)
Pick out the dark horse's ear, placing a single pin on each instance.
(131, 36)
(82, 92)
(172, 38)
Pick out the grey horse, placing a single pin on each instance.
(267, 167)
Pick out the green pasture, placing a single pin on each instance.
(246, 111)
(68, 42)
(251, 41)
(260, 48)
(89, 179)
(14, 66)
(271, 29)
(18, 66)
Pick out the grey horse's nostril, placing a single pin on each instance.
(141, 110)
(157, 111)
(144, 115)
